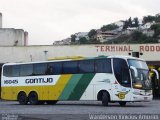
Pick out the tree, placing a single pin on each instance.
(139, 37)
(157, 18)
(136, 35)
(130, 22)
(109, 27)
(148, 18)
(125, 26)
(136, 24)
(156, 28)
(92, 34)
(83, 40)
(73, 38)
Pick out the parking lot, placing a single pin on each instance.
(75, 109)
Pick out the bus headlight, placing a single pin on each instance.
(137, 85)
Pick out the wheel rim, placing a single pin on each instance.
(22, 98)
(105, 99)
(33, 99)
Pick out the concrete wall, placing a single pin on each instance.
(12, 37)
(151, 52)
(0, 20)
(25, 38)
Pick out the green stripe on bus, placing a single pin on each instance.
(81, 86)
(70, 86)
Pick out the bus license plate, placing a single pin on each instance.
(145, 98)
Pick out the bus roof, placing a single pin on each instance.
(80, 58)
(124, 56)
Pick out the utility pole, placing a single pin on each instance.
(45, 53)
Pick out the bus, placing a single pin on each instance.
(107, 79)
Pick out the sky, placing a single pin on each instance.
(47, 21)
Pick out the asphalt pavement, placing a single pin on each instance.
(78, 110)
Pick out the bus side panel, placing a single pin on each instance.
(81, 86)
(101, 81)
(105, 83)
(45, 92)
(56, 90)
(6, 93)
(11, 93)
(69, 88)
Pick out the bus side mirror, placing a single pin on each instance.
(156, 72)
(135, 71)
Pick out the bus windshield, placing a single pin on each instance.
(138, 64)
(143, 73)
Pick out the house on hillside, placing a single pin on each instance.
(66, 41)
(106, 36)
(146, 29)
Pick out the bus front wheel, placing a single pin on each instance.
(22, 98)
(105, 99)
(33, 98)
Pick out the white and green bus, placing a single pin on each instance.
(105, 78)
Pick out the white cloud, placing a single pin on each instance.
(50, 20)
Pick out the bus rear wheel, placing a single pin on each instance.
(51, 102)
(22, 98)
(33, 98)
(105, 99)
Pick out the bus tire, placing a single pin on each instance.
(22, 98)
(122, 103)
(33, 98)
(105, 99)
(51, 102)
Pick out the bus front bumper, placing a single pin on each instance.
(142, 98)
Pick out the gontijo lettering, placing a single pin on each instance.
(39, 80)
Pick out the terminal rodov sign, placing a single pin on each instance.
(127, 48)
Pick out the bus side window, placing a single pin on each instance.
(7, 71)
(86, 66)
(70, 67)
(26, 70)
(49, 71)
(39, 69)
(15, 71)
(103, 66)
(57, 67)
